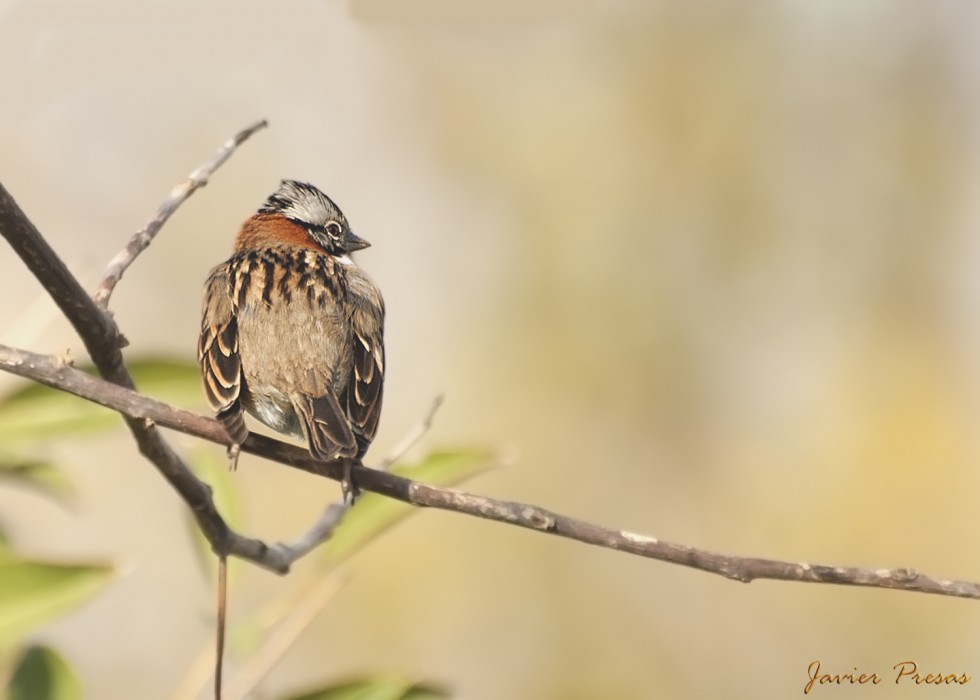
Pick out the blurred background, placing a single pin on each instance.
(711, 271)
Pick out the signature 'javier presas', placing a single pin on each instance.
(902, 673)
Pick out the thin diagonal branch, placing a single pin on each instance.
(320, 532)
(178, 195)
(408, 442)
(282, 638)
(54, 373)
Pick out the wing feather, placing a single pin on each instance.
(363, 394)
(217, 354)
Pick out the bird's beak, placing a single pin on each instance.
(354, 242)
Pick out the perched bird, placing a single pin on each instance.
(292, 330)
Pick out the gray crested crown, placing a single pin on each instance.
(304, 204)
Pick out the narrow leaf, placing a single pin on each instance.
(174, 381)
(33, 593)
(35, 411)
(211, 466)
(373, 513)
(42, 673)
(381, 688)
(42, 476)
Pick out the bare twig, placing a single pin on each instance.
(413, 436)
(301, 615)
(321, 531)
(286, 611)
(745, 569)
(221, 623)
(178, 195)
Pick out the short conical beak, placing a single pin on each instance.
(354, 242)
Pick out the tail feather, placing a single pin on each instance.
(327, 430)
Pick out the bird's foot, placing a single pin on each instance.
(349, 489)
(233, 451)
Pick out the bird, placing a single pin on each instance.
(292, 330)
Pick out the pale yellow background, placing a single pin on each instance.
(712, 269)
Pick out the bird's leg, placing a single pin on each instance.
(233, 421)
(234, 450)
(347, 485)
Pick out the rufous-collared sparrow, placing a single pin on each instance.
(292, 330)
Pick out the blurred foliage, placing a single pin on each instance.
(42, 673)
(39, 475)
(36, 412)
(374, 514)
(375, 689)
(33, 593)
(370, 517)
(211, 466)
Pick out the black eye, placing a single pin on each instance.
(333, 228)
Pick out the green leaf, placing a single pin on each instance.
(43, 476)
(35, 411)
(177, 382)
(33, 593)
(373, 513)
(211, 466)
(43, 673)
(381, 688)
(425, 692)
